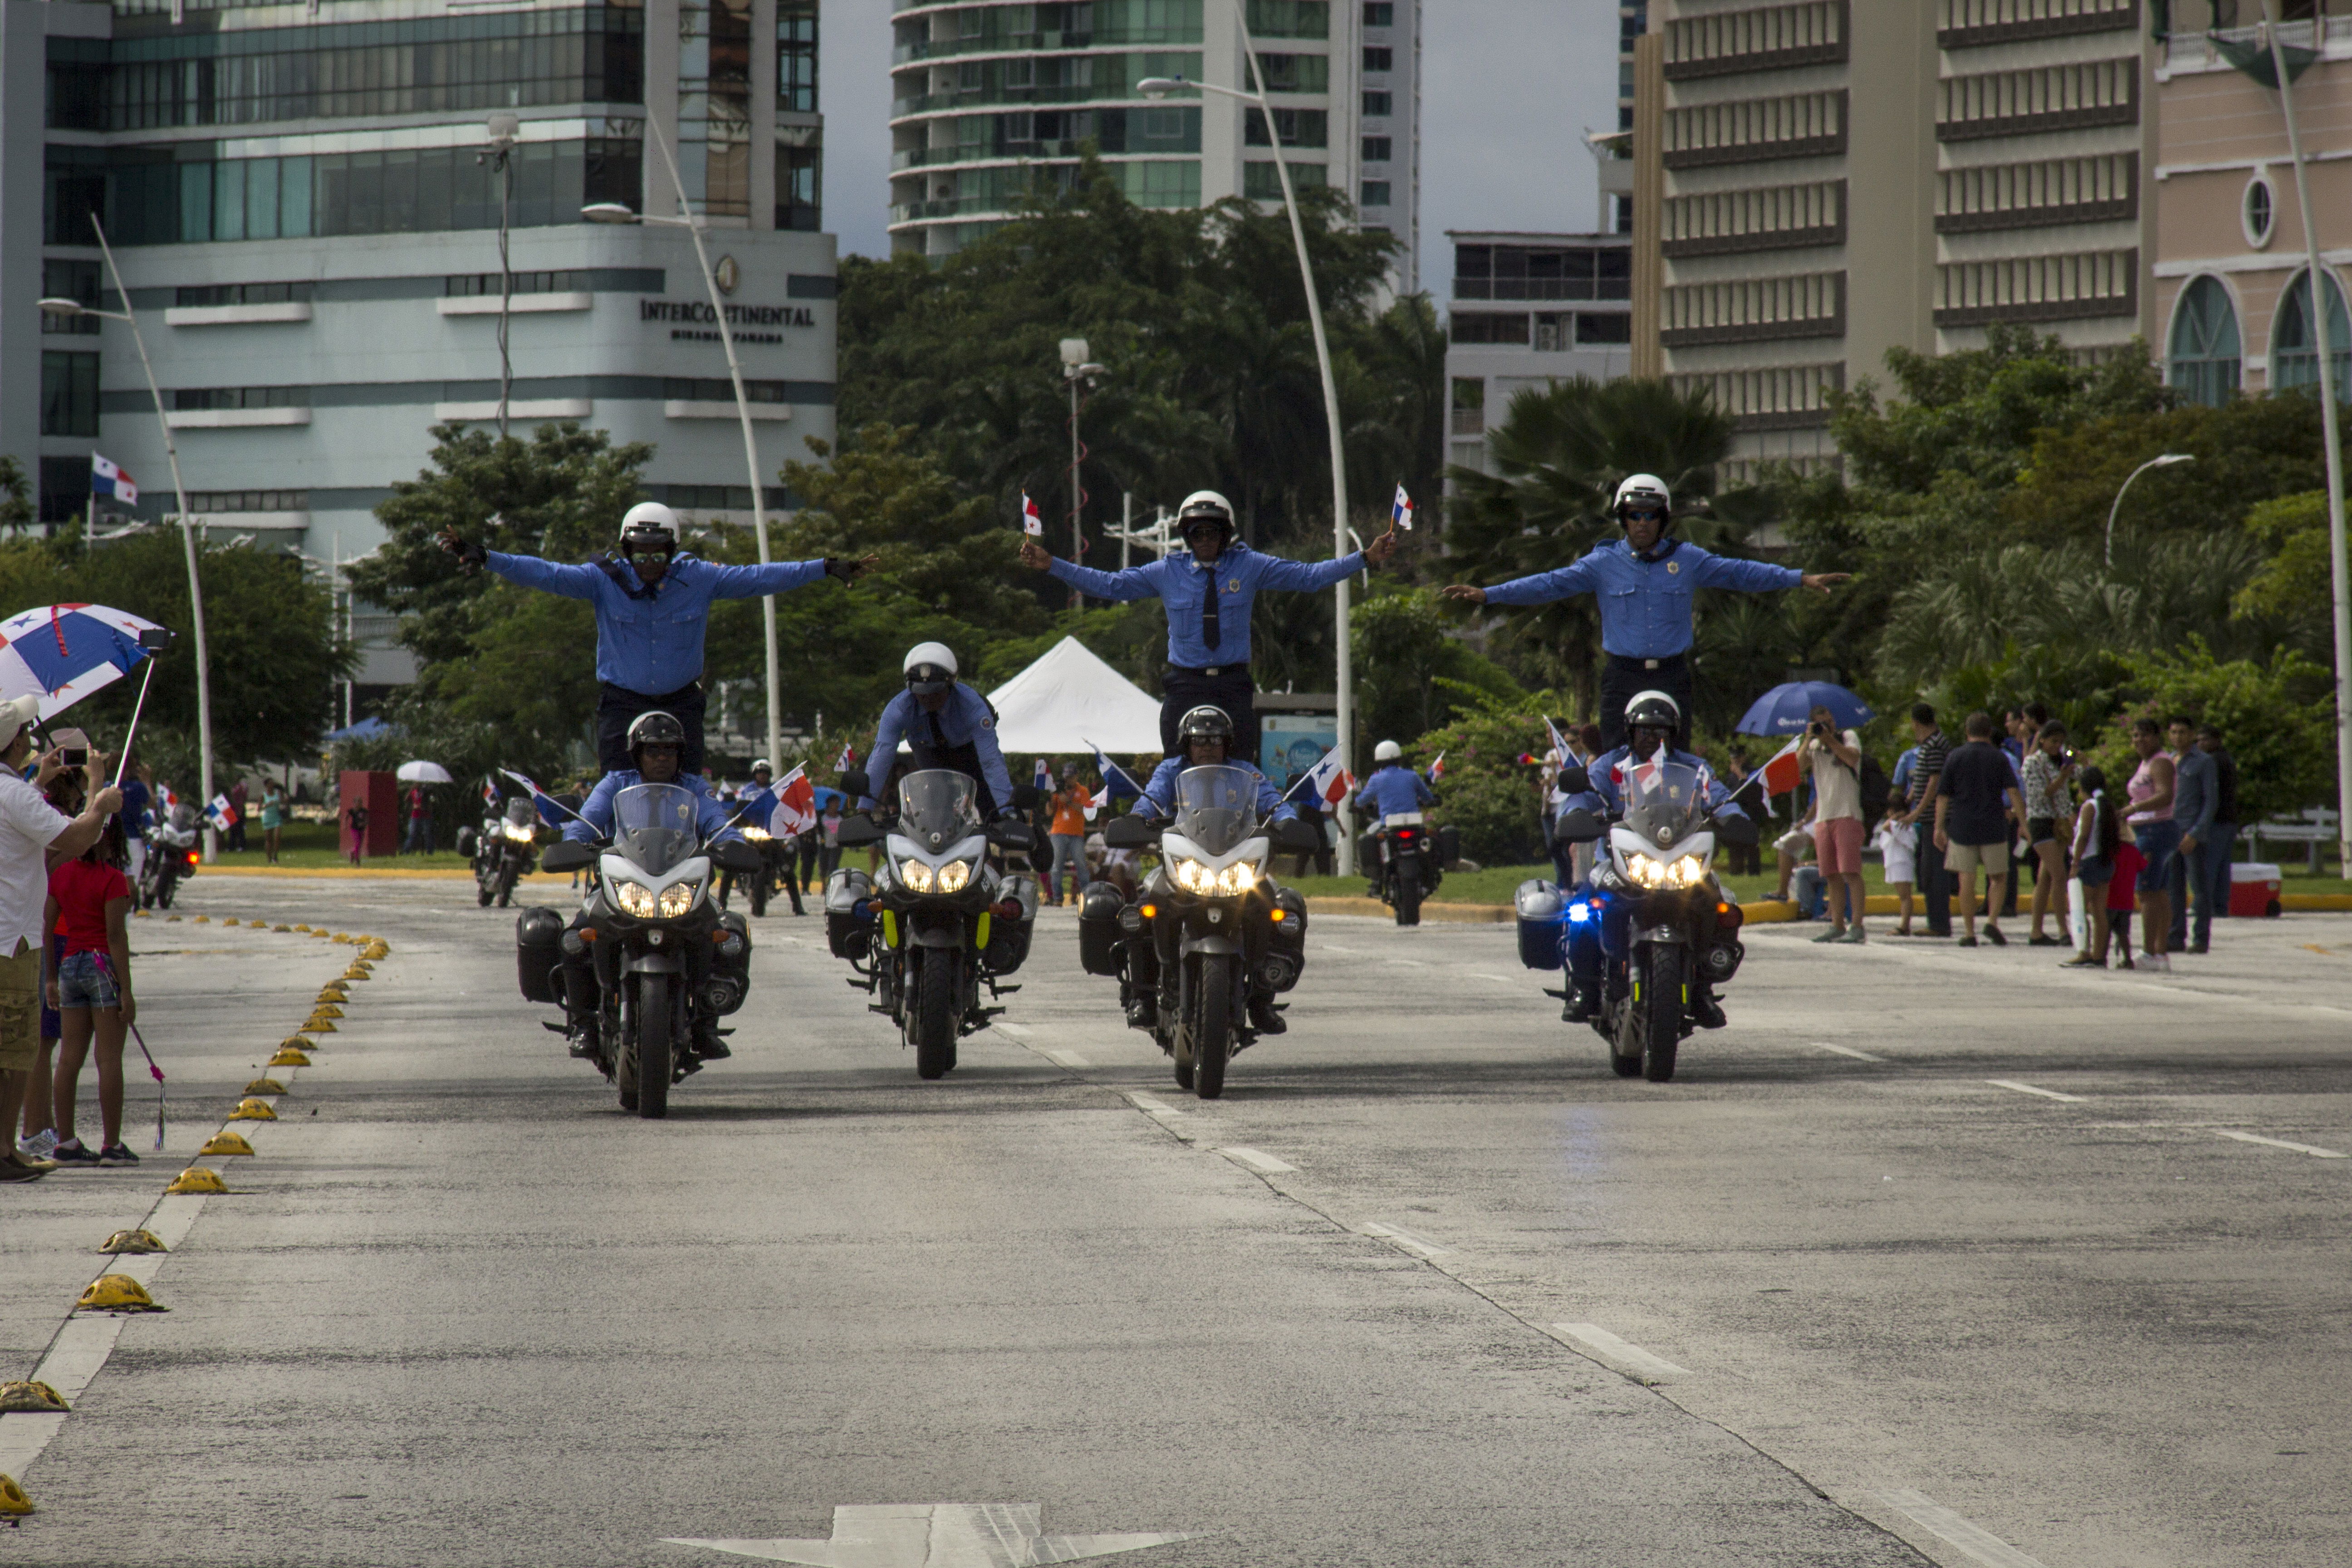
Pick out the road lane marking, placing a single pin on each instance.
(1264, 1164)
(1018, 1031)
(939, 1535)
(1622, 1354)
(1846, 1051)
(1498, 979)
(1335, 947)
(2029, 1088)
(2278, 1143)
(1151, 1104)
(1978, 1543)
(1395, 1236)
(1067, 1059)
(1408, 964)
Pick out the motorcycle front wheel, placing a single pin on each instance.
(1211, 1012)
(931, 1012)
(506, 885)
(1658, 1003)
(760, 894)
(653, 1043)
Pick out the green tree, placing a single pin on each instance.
(2274, 715)
(16, 510)
(1488, 792)
(1412, 674)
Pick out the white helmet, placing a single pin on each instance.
(1387, 751)
(1204, 506)
(758, 763)
(930, 668)
(1645, 490)
(649, 523)
(1653, 709)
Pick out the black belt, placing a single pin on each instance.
(1627, 661)
(1210, 669)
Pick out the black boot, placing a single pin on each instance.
(1706, 1011)
(1263, 1017)
(1583, 1002)
(1143, 1010)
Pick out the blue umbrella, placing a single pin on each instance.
(1786, 709)
(367, 728)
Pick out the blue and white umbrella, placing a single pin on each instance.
(62, 652)
(1788, 707)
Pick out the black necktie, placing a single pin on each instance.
(939, 736)
(1209, 615)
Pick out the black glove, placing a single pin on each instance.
(469, 554)
(834, 566)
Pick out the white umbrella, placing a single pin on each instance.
(422, 771)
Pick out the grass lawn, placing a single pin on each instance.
(316, 843)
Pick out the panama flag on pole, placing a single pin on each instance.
(1326, 783)
(1043, 779)
(1116, 780)
(846, 761)
(222, 814)
(1781, 774)
(1401, 510)
(108, 478)
(1438, 768)
(548, 804)
(1031, 520)
(795, 812)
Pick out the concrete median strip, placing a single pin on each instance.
(1976, 1543)
(1619, 1355)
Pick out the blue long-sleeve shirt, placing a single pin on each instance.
(595, 823)
(2195, 791)
(967, 720)
(1160, 792)
(1182, 584)
(1606, 778)
(650, 641)
(1645, 605)
(1394, 789)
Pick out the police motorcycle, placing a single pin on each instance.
(941, 921)
(655, 963)
(171, 857)
(506, 850)
(1666, 934)
(1221, 932)
(1410, 871)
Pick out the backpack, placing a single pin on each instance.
(1875, 791)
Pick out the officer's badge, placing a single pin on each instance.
(1232, 584)
(1672, 567)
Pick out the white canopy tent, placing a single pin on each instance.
(1069, 702)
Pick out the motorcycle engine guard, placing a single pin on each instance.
(1662, 933)
(1194, 944)
(653, 963)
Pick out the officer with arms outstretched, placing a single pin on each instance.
(1208, 587)
(1643, 586)
(946, 724)
(652, 606)
(1652, 719)
(1393, 790)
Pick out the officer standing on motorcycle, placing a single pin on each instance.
(1643, 586)
(1392, 790)
(1653, 718)
(1206, 735)
(1207, 588)
(652, 606)
(946, 724)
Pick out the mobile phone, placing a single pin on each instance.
(77, 757)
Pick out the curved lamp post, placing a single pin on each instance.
(693, 223)
(2166, 461)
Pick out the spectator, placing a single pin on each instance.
(1748, 793)
(1932, 749)
(826, 837)
(2121, 889)
(88, 982)
(1069, 835)
(420, 822)
(40, 1127)
(273, 820)
(2196, 789)
(1972, 827)
(137, 802)
(2215, 846)
(2157, 835)
(2096, 839)
(2049, 775)
(355, 830)
(1898, 853)
(31, 829)
(1833, 757)
(1790, 851)
(238, 797)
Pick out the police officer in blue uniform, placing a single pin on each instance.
(1207, 588)
(1642, 584)
(946, 724)
(652, 606)
(1392, 790)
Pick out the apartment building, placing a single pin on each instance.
(304, 209)
(1525, 310)
(1819, 183)
(992, 99)
(2232, 289)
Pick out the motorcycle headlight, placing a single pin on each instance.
(634, 898)
(916, 875)
(520, 832)
(1194, 877)
(756, 835)
(1648, 871)
(678, 898)
(955, 875)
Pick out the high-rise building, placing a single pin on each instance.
(1821, 182)
(305, 204)
(992, 99)
(1525, 311)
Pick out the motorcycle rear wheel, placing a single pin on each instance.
(653, 1045)
(932, 1017)
(1408, 902)
(1660, 1001)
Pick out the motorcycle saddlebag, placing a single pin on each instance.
(1008, 940)
(539, 948)
(1449, 845)
(1543, 924)
(1101, 949)
(845, 932)
(1285, 942)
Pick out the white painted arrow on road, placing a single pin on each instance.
(938, 1535)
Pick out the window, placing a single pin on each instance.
(1373, 194)
(73, 187)
(188, 399)
(1297, 73)
(1379, 58)
(2295, 358)
(1593, 327)
(1378, 105)
(77, 85)
(1297, 128)
(1164, 124)
(201, 502)
(69, 393)
(799, 188)
(1260, 183)
(1290, 18)
(267, 293)
(1469, 405)
(482, 285)
(1554, 332)
(2258, 213)
(1380, 14)
(796, 56)
(719, 389)
(2202, 358)
(70, 280)
(64, 488)
(1376, 149)
(1485, 328)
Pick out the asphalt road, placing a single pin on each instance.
(1430, 1286)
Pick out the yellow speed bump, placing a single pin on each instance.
(117, 1293)
(136, 1241)
(334, 995)
(375, 949)
(290, 1057)
(226, 1143)
(281, 928)
(197, 1179)
(252, 1110)
(345, 937)
(14, 1503)
(204, 920)
(171, 920)
(318, 1025)
(302, 928)
(264, 1086)
(230, 921)
(326, 1010)
(31, 1397)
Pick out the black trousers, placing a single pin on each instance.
(1229, 689)
(1933, 879)
(1622, 679)
(617, 708)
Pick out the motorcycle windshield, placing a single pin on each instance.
(1216, 808)
(937, 807)
(521, 812)
(1663, 800)
(653, 826)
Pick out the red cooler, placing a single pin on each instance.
(2254, 888)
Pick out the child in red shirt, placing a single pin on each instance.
(88, 982)
(2129, 862)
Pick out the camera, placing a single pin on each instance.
(77, 757)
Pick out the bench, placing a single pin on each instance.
(2314, 828)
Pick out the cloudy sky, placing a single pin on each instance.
(1508, 89)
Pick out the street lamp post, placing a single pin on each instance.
(503, 125)
(1160, 87)
(60, 307)
(2340, 579)
(614, 212)
(2166, 461)
(1076, 370)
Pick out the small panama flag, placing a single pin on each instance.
(846, 761)
(547, 804)
(221, 814)
(1438, 768)
(1326, 783)
(1032, 519)
(109, 478)
(1116, 780)
(1401, 510)
(1785, 768)
(793, 810)
(489, 792)
(1045, 777)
